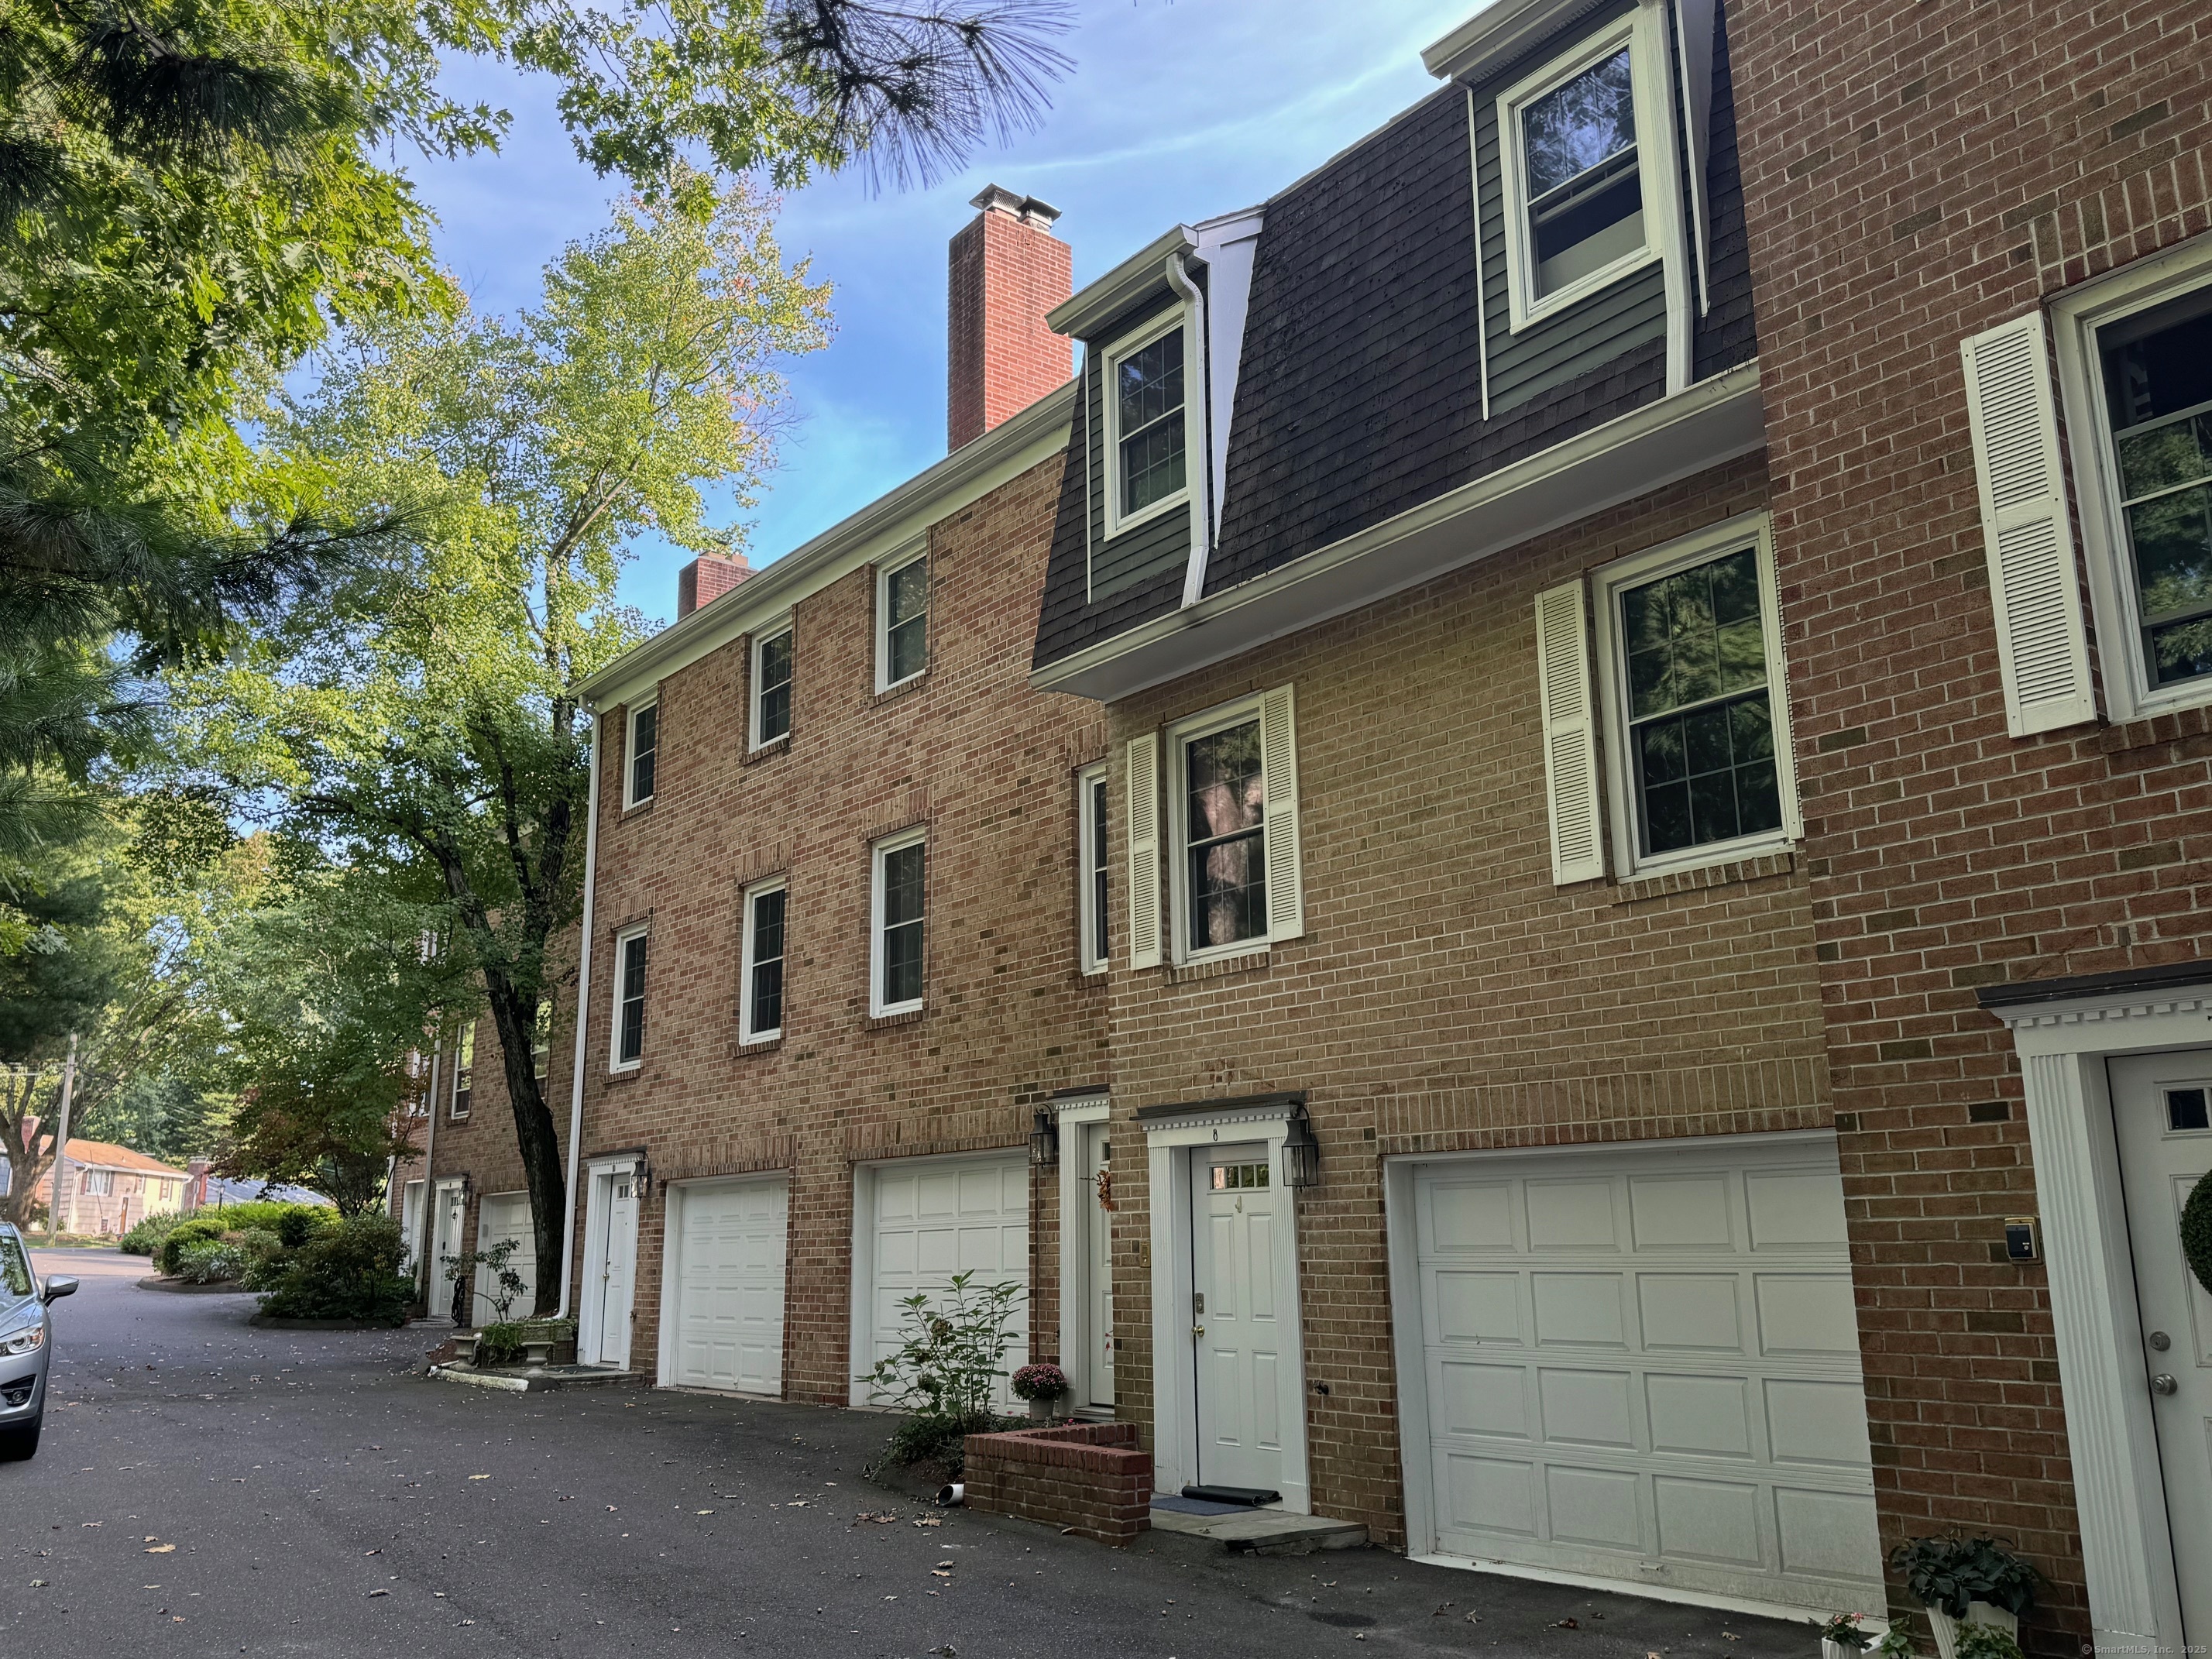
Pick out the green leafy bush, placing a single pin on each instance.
(146, 1238)
(951, 1353)
(1950, 1572)
(300, 1223)
(351, 1271)
(928, 1438)
(210, 1261)
(500, 1343)
(238, 1218)
(266, 1258)
(1978, 1641)
(195, 1230)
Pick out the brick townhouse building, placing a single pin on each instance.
(1632, 853)
(1598, 876)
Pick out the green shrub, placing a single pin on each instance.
(1975, 1640)
(146, 1238)
(1950, 1572)
(239, 1217)
(300, 1223)
(196, 1229)
(210, 1261)
(266, 1258)
(350, 1271)
(499, 1343)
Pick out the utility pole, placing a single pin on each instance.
(61, 1145)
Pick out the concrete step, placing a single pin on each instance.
(1264, 1532)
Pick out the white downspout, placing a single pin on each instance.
(583, 1025)
(426, 1229)
(1198, 445)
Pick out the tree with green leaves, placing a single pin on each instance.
(417, 723)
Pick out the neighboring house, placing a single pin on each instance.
(109, 1188)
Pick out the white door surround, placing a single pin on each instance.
(1085, 1249)
(722, 1284)
(2063, 1039)
(448, 1216)
(917, 1221)
(1177, 1138)
(606, 1300)
(1636, 1364)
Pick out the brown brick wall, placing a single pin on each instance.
(989, 767)
(1446, 996)
(1915, 173)
(1006, 273)
(1091, 1477)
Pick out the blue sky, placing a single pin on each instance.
(1173, 112)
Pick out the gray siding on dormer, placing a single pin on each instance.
(1161, 543)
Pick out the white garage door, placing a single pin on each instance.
(938, 1216)
(1644, 1366)
(728, 1275)
(501, 1218)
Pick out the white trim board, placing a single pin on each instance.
(2119, 1486)
(1073, 1116)
(1170, 1143)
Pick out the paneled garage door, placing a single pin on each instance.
(504, 1218)
(937, 1217)
(728, 1275)
(1643, 1365)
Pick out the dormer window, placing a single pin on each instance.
(1578, 213)
(1144, 420)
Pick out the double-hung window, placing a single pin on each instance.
(902, 621)
(644, 744)
(771, 711)
(541, 1038)
(629, 1044)
(97, 1184)
(760, 995)
(464, 1069)
(1575, 138)
(1690, 648)
(897, 911)
(1232, 791)
(1145, 426)
(1090, 855)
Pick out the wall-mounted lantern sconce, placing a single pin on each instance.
(1044, 1141)
(1301, 1151)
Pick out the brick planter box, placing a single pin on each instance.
(1089, 1476)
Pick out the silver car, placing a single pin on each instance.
(27, 1345)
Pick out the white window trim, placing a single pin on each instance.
(459, 1105)
(1090, 854)
(780, 628)
(877, 1006)
(1175, 316)
(1179, 736)
(1651, 81)
(884, 572)
(630, 798)
(2113, 601)
(615, 1063)
(747, 1034)
(1755, 531)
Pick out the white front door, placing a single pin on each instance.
(934, 1217)
(1098, 1248)
(2162, 1105)
(1235, 1336)
(729, 1274)
(501, 1218)
(445, 1243)
(615, 1274)
(1642, 1365)
(410, 1224)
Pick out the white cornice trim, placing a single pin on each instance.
(1712, 422)
(1273, 1111)
(2103, 1010)
(1495, 35)
(1099, 302)
(1006, 451)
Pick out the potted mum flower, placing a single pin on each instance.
(1844, 1637)
(1040, 1385)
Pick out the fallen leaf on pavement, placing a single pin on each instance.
(374, 1593)
(1566, 1624)
(162, 1549)
(479, 1477)
(931, 1521)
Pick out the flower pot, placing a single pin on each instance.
(534, 1354)
(1039, 1410)
(1839, 1649)
(1978, 1613)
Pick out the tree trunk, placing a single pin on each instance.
(514, 1016)
(28, 1153)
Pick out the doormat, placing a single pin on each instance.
(1194, 1506)
(1249, 1497)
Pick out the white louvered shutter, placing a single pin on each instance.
(1279, 759)
(2043, 651)
(1563, 680)
(1144, 831)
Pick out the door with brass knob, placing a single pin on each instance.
(2162, 1111)
(1236, 1336)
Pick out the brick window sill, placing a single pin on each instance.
(616, 1079)
(2153, 730)
(1762, 868)
(758, 1046)
(886, 1022)
(774, 749)
(904, 688)
(1250, 962)
(637, 809)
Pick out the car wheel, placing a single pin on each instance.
(20, 1441)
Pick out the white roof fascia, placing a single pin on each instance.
(1495, 35)
(1666, 440)
(1100, 302)
(970, 472)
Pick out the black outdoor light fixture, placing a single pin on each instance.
(1044, 1140)
(1301, 1151)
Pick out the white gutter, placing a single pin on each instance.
(583, 1024)
(429, 1179)
(1195, 444)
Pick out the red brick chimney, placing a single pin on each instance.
(705, 580)
(1008, 270)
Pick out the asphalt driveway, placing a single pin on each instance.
(208, 1488)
